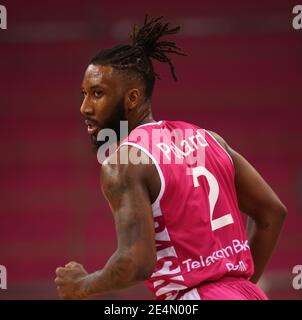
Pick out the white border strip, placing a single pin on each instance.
(149, 124)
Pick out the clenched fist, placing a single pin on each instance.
(71, 281)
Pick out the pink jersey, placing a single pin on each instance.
(199, 231)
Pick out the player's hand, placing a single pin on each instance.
(70, 281)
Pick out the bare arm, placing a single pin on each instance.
(134, 260)
(262, 205)
(125, 188)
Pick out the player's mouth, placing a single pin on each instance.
(91, 126)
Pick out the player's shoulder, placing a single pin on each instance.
(189, 125)
(213, 134)
(222, 143)
(126, 163)
(218, 138)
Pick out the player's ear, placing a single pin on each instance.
(133, 97)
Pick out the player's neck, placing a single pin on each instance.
(141, 119)
(147, 119)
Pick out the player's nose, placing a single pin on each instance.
(86, 108)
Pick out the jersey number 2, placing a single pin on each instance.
(213, 196)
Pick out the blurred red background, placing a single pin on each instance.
(242, 78)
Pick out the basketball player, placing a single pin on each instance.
(178, 222)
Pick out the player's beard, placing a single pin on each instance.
(113, 123)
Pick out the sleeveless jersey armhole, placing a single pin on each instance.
(156, 203)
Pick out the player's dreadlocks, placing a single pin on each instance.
(136, 58)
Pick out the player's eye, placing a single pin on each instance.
(83, 93)
(97, 94)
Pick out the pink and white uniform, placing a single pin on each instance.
(200, 237)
